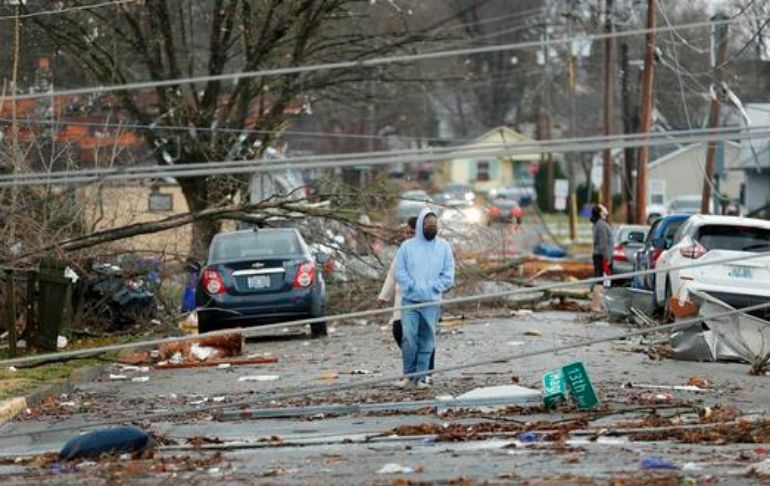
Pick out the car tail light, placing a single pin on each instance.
(656, 253)
(618, 254)
(212, 282)
(305, 275)
(694, 252)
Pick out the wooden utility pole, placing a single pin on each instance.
(607, 166)
(545, 122)
(629, 127)
(718, 43)
(10, 284)
(645, 120)
(571, 160)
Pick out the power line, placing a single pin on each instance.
(481, 150)
(364, 63)
(67, 9)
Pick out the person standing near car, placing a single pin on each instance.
(602, 236)
(391, 294)
(425, 269)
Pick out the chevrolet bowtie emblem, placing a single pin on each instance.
(257, 265)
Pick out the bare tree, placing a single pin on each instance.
(170, 39)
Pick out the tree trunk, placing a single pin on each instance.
(195, 192)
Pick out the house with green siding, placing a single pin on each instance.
(499, 169)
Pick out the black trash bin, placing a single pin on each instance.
(53, 289)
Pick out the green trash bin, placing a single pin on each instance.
(53, 289)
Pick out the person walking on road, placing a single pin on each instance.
(390, 294)
(602, 255)
(425, 269)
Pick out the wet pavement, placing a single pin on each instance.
(353, 448)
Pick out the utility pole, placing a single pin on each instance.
(607, 166)
(718, 52)
(629, 127)
(545, 121)
(571, 156)
(645, 120)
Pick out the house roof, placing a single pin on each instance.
(502, 137)
(682, 150)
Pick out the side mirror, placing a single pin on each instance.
(322, 257)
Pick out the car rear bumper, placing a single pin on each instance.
(262, 308)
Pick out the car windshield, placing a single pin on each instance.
(735, 238)
(671, 229)
(255, 244)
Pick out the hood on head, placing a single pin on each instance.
(418, 231)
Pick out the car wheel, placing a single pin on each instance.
(668, 314)
(205, 324)
(318, 329)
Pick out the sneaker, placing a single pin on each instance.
(423, 384)
(403, 383)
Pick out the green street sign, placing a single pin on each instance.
(579, 384)
(554, 388)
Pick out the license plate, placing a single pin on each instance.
(741, 273)
(257, 282)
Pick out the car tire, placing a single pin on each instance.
(318, 330)
(668, 315)
(205, 324)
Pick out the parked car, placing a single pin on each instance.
(705, 238)
(524, 194)
(628, 240)
(659, 238)
(503, 210)
(463, 192)
(417, 195)
(260, 276)
(687, 205)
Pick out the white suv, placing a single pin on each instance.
(704, 238)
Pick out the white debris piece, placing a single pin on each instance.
(218, 399)
(140, 379)
(394, 468)
(61, 342)
(201, 353)
(224, 366)
(259, 378)
(118, 377)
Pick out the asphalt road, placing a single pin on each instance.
(335, 450)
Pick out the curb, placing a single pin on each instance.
(12, 407)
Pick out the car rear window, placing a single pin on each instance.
(735, 238)
(253, 245)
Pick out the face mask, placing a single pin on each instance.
(430, 234)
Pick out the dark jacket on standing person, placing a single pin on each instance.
(603, 239)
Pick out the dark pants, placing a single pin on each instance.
(398, 334)
(599, 266)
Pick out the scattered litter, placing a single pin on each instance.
(143, 369)
(761, 468)
(515, 343)
(140, 379)
(690, 388)
(393, 468)
(692, 467)
(259, 378)
(218, 399)
(224, 366)
(12, 368)
(124, 439)
(199, 402)
(176, 358)
(68, 404)
(530, 437)
(360, 372)
(61, 342)
(327, 375)
(658, 463)
(522, 313)
(700, 382)
(201, 353)
(533, 332)
(118, 377)
(21, 344)
(189, 325)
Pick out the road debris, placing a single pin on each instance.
(688, 388)
(658, 463)
(258, 378)
(393, 468)
(327, 376)
(140, 379)
(118, 377)
(115, 440)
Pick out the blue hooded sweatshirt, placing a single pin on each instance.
(424, 269)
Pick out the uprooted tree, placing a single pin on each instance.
(225, 119)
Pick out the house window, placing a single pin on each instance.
(482, 171)
(160, 203)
